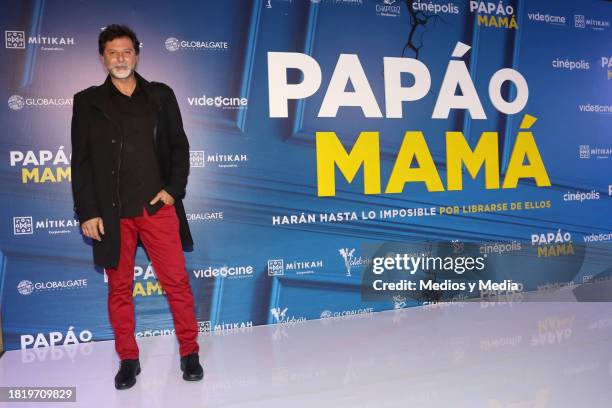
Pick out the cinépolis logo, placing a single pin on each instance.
(525, 159)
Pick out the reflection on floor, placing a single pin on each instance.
(451, 355)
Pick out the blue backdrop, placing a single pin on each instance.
(249, 170)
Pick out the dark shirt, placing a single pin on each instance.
(139, 176)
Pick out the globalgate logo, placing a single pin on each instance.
(18, 102)
(328, 314)
(209, 216)
(27, 287)
(174, 44)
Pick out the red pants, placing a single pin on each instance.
(160, 236)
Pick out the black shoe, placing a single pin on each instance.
(126, 376)
(191, 368)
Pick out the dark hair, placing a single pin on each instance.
(116, 31)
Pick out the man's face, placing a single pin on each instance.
(119, 57)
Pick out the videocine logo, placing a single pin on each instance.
(218, 101)
(231, 272)
(174, 44)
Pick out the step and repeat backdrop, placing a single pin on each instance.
(325, 136)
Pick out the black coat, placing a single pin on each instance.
(96, 146)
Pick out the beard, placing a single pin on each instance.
(119, 73)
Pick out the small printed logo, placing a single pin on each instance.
(584, 151)
(326, 314)
(458, 246)
(276, 267)
(579, 21)
(172, 44)
(196, 158)
(280, 315)
(16, 102)
(399, 302)
(23, 225)
(204, 326)
(15, 39)
(25, 287)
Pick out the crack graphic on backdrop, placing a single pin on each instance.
(417, 19)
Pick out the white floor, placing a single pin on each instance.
(461, 355)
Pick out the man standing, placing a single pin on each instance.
(130, 162)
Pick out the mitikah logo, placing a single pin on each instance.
(197, 158)
(17, 40)
(276, 267)
(14, 39)
(23, 225)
